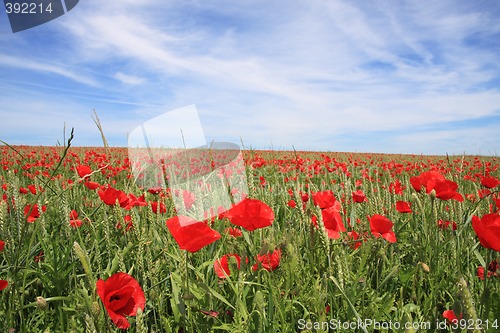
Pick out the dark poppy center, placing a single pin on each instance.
(119, 299)
(114, 298)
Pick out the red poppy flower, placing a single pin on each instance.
(3, 284)
(446, 224)
(83, 170)
(73, 219)
(324, 199)
(234, 232)
(427, 180)
(396, 187)
(211, 313)
(354, 236)
(269, 261)
(497, 202)
(122, 296)
(188, 198)
(487, 230)
(32, 188)
(221, 266)
(291, 203)
(2, 245)
(450, 316)
(446, 190)
(134, 201)
(489, 182)
(91, 185)
(155, 190)
(26, 190)
(158, 207)
(191, 235)
(403, 207)
(250, 214)
(75, 223)
(493, 267)
(480, 273)
(433, 180)
(333, 221)
(314, 221)
(73, 215)
(111, 196)
(381, 226)
(32, 213)
(38, 257)
(483, 192)
(359, 196)
(128, 223)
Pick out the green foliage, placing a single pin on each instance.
(52, 267)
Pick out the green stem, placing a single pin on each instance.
(485, 298)
(188, 293)
(186, 275)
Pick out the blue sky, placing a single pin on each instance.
(363, 76)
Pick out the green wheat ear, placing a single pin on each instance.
(84, 259)
(467, 302)
(3, 225)
(141, 326)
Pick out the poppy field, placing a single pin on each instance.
(339, 242)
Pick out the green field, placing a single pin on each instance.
(322, 243)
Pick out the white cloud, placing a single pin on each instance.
(129, 79)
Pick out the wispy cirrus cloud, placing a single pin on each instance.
(128, 79)
(28, 64)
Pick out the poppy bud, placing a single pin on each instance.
(433, 194)
(41, 303)
(3, 284)
(264, 249)
(424, 266)
(187, 296)
(259, 300)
